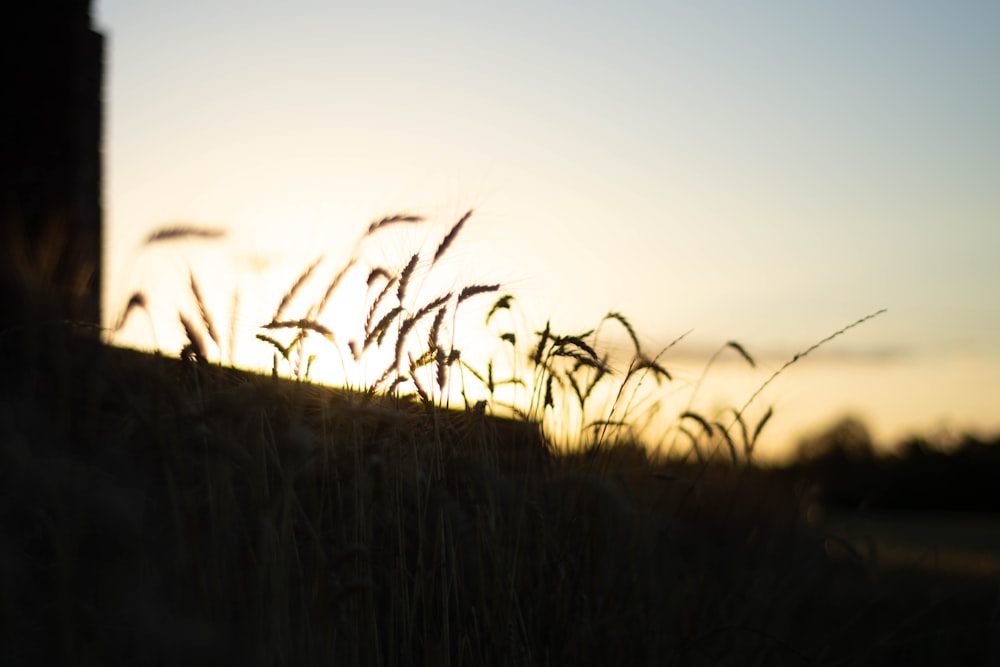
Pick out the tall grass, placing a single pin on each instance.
(161, 511)
(578, 386)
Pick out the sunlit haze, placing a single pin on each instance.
(760, 172)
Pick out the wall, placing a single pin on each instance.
(50, 165)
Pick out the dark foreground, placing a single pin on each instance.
(163, 512)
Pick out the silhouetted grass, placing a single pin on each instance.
(158, 510)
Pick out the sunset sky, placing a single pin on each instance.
(766, 172)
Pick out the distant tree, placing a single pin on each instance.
(847, 441)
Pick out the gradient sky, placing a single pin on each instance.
(767, 172)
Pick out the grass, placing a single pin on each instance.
(160, 510)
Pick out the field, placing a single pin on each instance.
(159, 511)
(165, 510)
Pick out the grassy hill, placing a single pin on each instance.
(160, 511)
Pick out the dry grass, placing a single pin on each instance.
(568, 379)
(183, 233)
(156, 510)
(207, 515)
(294, 289)
(450, 237)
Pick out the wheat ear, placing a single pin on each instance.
(290, 294)
(195, 345)
(450, 237)
(473, 290)
(206, 318)
(181, 232)
(404, 277)
(137, 300)
(802, 354)
(321, 306)
(399, 218)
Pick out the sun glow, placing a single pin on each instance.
(270, 310)
(335, 319)
(393, 314)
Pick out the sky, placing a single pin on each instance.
(761, 172)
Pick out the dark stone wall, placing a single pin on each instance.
(50, 165)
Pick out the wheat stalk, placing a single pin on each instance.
(405, 275)
(290, 294)
(321, 306)
(622, 320)
(137, 300)
(441, 366)
(378, 301)
(503, 303)
(436, 303)
(404, 331)
(182, 232)
(274, 343)
(424, 396)
(805, 352)
(450, 237)
(433, 335)
(206, 318)
(195, 345)
(233, 319)
(743, 353)
(739, 413)
(474, 290)
(302, 324)
(380, 329)
(376, 273)
(399, 218)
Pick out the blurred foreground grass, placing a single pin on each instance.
(159, 511)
